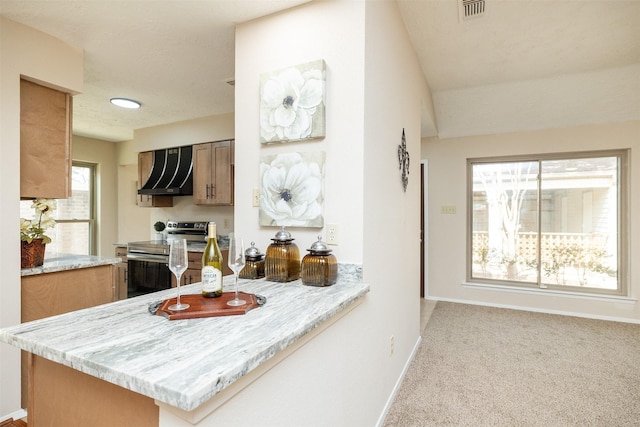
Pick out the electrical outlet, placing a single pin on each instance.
(392, 345)
(255, 197)
(226, 223)
(447, 209)
(332, 234)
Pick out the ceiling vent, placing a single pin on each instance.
(470, 9)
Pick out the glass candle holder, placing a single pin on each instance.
(319, 266)
(282, 260)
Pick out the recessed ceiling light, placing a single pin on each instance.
(125, 103)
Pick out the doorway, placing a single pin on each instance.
(424, 235)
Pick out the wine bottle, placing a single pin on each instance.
(211, 265)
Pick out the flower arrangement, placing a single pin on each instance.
(32, 229)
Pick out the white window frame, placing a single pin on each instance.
(91, 221)
(622, 221)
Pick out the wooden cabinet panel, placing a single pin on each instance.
(61, 396)
(213, 173)
(120, 291)
(193, 272)
(48, 294)
(45, 142)
(145, 163)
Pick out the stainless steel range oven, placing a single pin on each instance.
(148, 261)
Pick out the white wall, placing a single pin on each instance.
(447, 233)
(346, 375)
(27, 52)
(103, 154)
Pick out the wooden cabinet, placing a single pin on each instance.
(193, 272)
(48, 294)
(145, 163)
(213, 173)
(120, 289)
(45, 142)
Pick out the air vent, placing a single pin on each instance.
(470, 9)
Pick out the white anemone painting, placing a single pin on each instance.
(292, 103)
(291, 190)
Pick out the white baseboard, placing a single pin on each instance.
(394, 392)
(17, 415)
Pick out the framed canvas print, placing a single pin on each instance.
(292, 189)
(292, 103)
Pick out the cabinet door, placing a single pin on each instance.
(213, 173)
(202, 173)
(45, 142)
(121, 281)
(145, 163)
(120, 291)
(222, 173)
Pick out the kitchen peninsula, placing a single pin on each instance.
(117, 364)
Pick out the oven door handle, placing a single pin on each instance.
(161, 259)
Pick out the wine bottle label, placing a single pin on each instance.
(211, 279)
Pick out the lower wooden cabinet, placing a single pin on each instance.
(48, 294)
(120, 289)
(65, 397)
(193, 272)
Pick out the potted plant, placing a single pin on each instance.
(159, 227)
(32, 233)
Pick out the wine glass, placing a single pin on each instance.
(178, 262)
(236, 263)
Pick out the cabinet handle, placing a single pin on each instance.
(126, 276)
(213, 191)
(207, 191)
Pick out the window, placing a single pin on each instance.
(74, 232)
(551, 221)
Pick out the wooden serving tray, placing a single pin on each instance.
(207, 307)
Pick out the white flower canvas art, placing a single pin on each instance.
(291, 192)
(292, 103)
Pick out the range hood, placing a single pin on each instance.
(171, 173)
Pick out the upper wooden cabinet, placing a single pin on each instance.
(45, 142)
(213, 170)
(145, 163)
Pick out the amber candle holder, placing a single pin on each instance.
(319, 266)
(254, 266)
(282, 260)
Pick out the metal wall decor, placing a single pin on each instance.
(403, 160)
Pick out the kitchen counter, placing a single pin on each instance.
(185, 363)
(63, 262)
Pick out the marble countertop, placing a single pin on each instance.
(183, 363)
(62, 262)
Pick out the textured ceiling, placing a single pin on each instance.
(521, 40)
(176, 56)
(173, 56)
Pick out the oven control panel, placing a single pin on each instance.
(190, 230)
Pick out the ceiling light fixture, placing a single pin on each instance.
(125, 103)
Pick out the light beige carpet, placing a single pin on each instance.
(484, 366)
